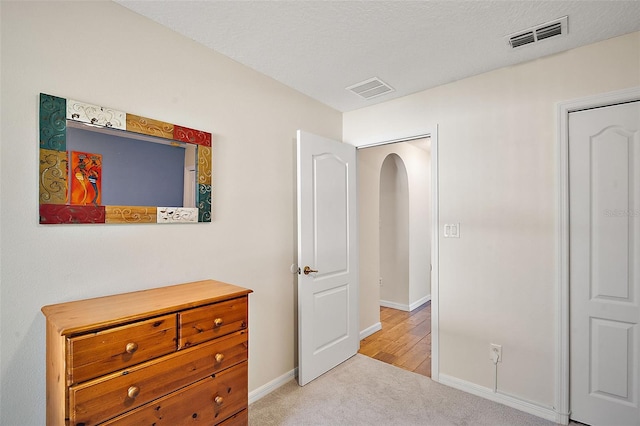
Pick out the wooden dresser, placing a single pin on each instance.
(170, 356)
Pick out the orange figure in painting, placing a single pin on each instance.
(86, 178)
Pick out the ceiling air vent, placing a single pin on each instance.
(538, 33)
(370, 88)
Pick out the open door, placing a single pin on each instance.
(327, 255)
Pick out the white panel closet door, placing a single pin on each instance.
(604, 185)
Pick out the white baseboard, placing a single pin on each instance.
(546, 413)
(405, 307)
(419, 302)
(266, 389)
(370, 330)
(394, 305)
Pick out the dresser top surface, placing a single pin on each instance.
(93, 314)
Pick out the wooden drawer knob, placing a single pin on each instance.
(218, 400)
(133, 392)
(219, 357)
(218, 322)
(131, 347)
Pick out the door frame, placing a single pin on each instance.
(563, 331)
(432, 133)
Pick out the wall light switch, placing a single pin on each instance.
(452, 230)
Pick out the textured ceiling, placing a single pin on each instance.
(321, 47)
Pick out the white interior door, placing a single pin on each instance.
(604, 203)
(327, 244)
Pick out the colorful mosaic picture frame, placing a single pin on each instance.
(55, 206)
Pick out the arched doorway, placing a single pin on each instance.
(394, 233)
(395, 203)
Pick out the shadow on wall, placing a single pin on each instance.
(19, 379)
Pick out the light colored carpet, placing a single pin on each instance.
(365, 391)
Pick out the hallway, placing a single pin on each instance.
(404, 341)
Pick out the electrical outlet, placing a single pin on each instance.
(495, 350)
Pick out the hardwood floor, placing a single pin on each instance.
(404, 341)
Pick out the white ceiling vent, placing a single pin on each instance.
(538, 33)
(370, 88)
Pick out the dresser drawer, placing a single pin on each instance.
(238, 419)
(211, 321)
(109, 396)
(95, 354)
(209, 401)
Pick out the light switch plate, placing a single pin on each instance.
(452, 230)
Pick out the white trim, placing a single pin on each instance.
(266, 389)
(403, 306)
(431, 133)
(388, 142)
(370, 330)
(435, 258)
(395, 305)
(510, 401)
(386, 136)
(419, 302)
(562, 245)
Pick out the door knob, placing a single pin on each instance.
(308, 270)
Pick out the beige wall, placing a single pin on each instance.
(417, 159)
(102, 53)
(498, 162)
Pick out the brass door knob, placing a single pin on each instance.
(218, 322)
(308, 270)
(131, 347)
(133, 392)
(219, 357)
(218, 400)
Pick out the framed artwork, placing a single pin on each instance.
(91, 183)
